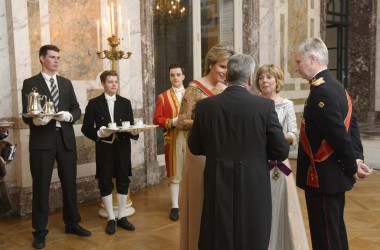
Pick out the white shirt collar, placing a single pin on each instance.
(110, 98)
(179, 90)
(47, 77)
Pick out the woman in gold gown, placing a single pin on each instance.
(211, 83)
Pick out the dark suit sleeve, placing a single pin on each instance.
(277, 146)
(88, 126)
(195, 139)
(356, 140)
(71, 104)
(129, 114)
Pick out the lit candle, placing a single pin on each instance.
(129, 36)
(98, 34)
(112, 20)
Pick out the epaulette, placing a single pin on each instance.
(317, 82)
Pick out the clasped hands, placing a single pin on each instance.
(104, 132)
(363, 170)
(62, 116)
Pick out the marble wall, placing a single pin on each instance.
(362, 84)
(71, 25)
(282, 25)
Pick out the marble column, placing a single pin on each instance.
(362, 58)
(153, 171)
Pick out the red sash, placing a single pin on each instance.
(324, 150)
(203, 88)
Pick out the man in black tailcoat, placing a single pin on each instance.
(238, 133)
(113, 150)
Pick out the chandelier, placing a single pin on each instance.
(168, 12)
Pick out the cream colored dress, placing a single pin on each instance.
(288, 229)
(191, 201)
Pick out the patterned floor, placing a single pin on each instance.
(154, 231)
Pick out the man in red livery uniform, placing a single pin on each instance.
(166, 116)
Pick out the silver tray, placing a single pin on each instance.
(141, 128)
(30, 115)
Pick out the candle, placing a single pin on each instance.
(108, 22)
(112, 20)
(129, 36)
(97, 34)
(119, 29)
(104, 30)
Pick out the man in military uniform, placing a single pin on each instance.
(330, 156)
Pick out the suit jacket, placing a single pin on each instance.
(43, 137)
(167, 108)
(237, 132)
(324, 114)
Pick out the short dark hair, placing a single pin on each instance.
(176, 66)
(106, 73)
(44, 49)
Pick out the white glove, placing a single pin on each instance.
(135, 132)
(102, 133)
(38, 121)
(64, 116)
(175, 121)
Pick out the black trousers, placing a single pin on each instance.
(41, 168)
(326, 222)
(113, 161)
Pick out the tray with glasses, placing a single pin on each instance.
(126, 127)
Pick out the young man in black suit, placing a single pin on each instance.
(53, 140)
(330, 155)
(238, 133)
(113, 150)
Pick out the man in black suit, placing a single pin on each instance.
(238, 133)
(53, 140)
(330, 155)
(113, 150)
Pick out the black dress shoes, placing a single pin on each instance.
(78, 230)
(111, 227)
(125, 224)
(174, 214)
(39, 239)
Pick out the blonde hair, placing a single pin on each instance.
(216, 53)
(274, 71)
